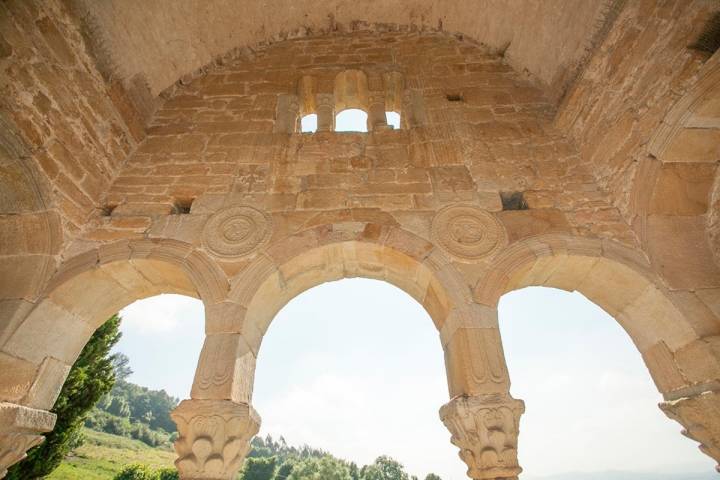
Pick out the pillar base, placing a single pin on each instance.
(700, 417)
(213, 438)
(485, 428)
(21, 428)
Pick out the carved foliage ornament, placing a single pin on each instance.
(486, 429)
(468, 233)
(213, 437)
(236, 231)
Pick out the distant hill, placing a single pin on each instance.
(627, 476)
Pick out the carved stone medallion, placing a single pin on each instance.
(468, 233)
(236, 231)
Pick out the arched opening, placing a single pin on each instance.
(674, 331)
(153, 362)
(85, 292)
(308, 123)
(363, 363)
(351, 120)
(590, 399)
(393, 119)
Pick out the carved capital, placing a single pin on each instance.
(700, 417)
(213, 438)
(485, 428)
(21, 428)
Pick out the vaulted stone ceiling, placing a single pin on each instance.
(163, 40)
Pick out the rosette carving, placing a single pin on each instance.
(236, 231)
(468, 233)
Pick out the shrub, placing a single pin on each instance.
(168, 474)
(137, 471)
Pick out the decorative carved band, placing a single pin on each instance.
(236, 231)
(213, 438)
(486, 429)
(700, 417)
(468, 233)
(20, 430)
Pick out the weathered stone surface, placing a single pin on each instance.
(132, 166)
(700, 417)
(485, 429)
(21, 428)
(213, 438)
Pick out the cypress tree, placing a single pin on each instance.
(90, 378)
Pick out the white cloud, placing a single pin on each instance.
(160, 314)
(360, 417)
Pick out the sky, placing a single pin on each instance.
(355, 367)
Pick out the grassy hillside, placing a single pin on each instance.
(103, 455)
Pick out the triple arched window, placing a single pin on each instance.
(358, 103)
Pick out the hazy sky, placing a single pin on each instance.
(356, 367)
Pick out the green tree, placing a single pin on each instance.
(259, 468)
(119, 407)
(121, 366)
(354, 471)
(89, 379)
(284, 470)
(324, 468)
(432, 476)
(168, 473)
(136, 471)
(384, 468)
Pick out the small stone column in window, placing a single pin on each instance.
(376, 114)
(325, 112)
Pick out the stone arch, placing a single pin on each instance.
(676, 333)
(85, 291)
(328, 252)
(676, 190)
(31, 233)
(377, 248)
(38, 351)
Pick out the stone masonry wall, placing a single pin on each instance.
(75, 127)
(215, 136)
(642, 68)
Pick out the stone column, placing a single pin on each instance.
(21, 428)
(481, 416)
(377, 120)
(213, 438)
(216, 425)
(325, 112)
(485, 428)
(700, 416)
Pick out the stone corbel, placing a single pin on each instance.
(213, 438)
(700, 417)
(21, 428)
(486, 428)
